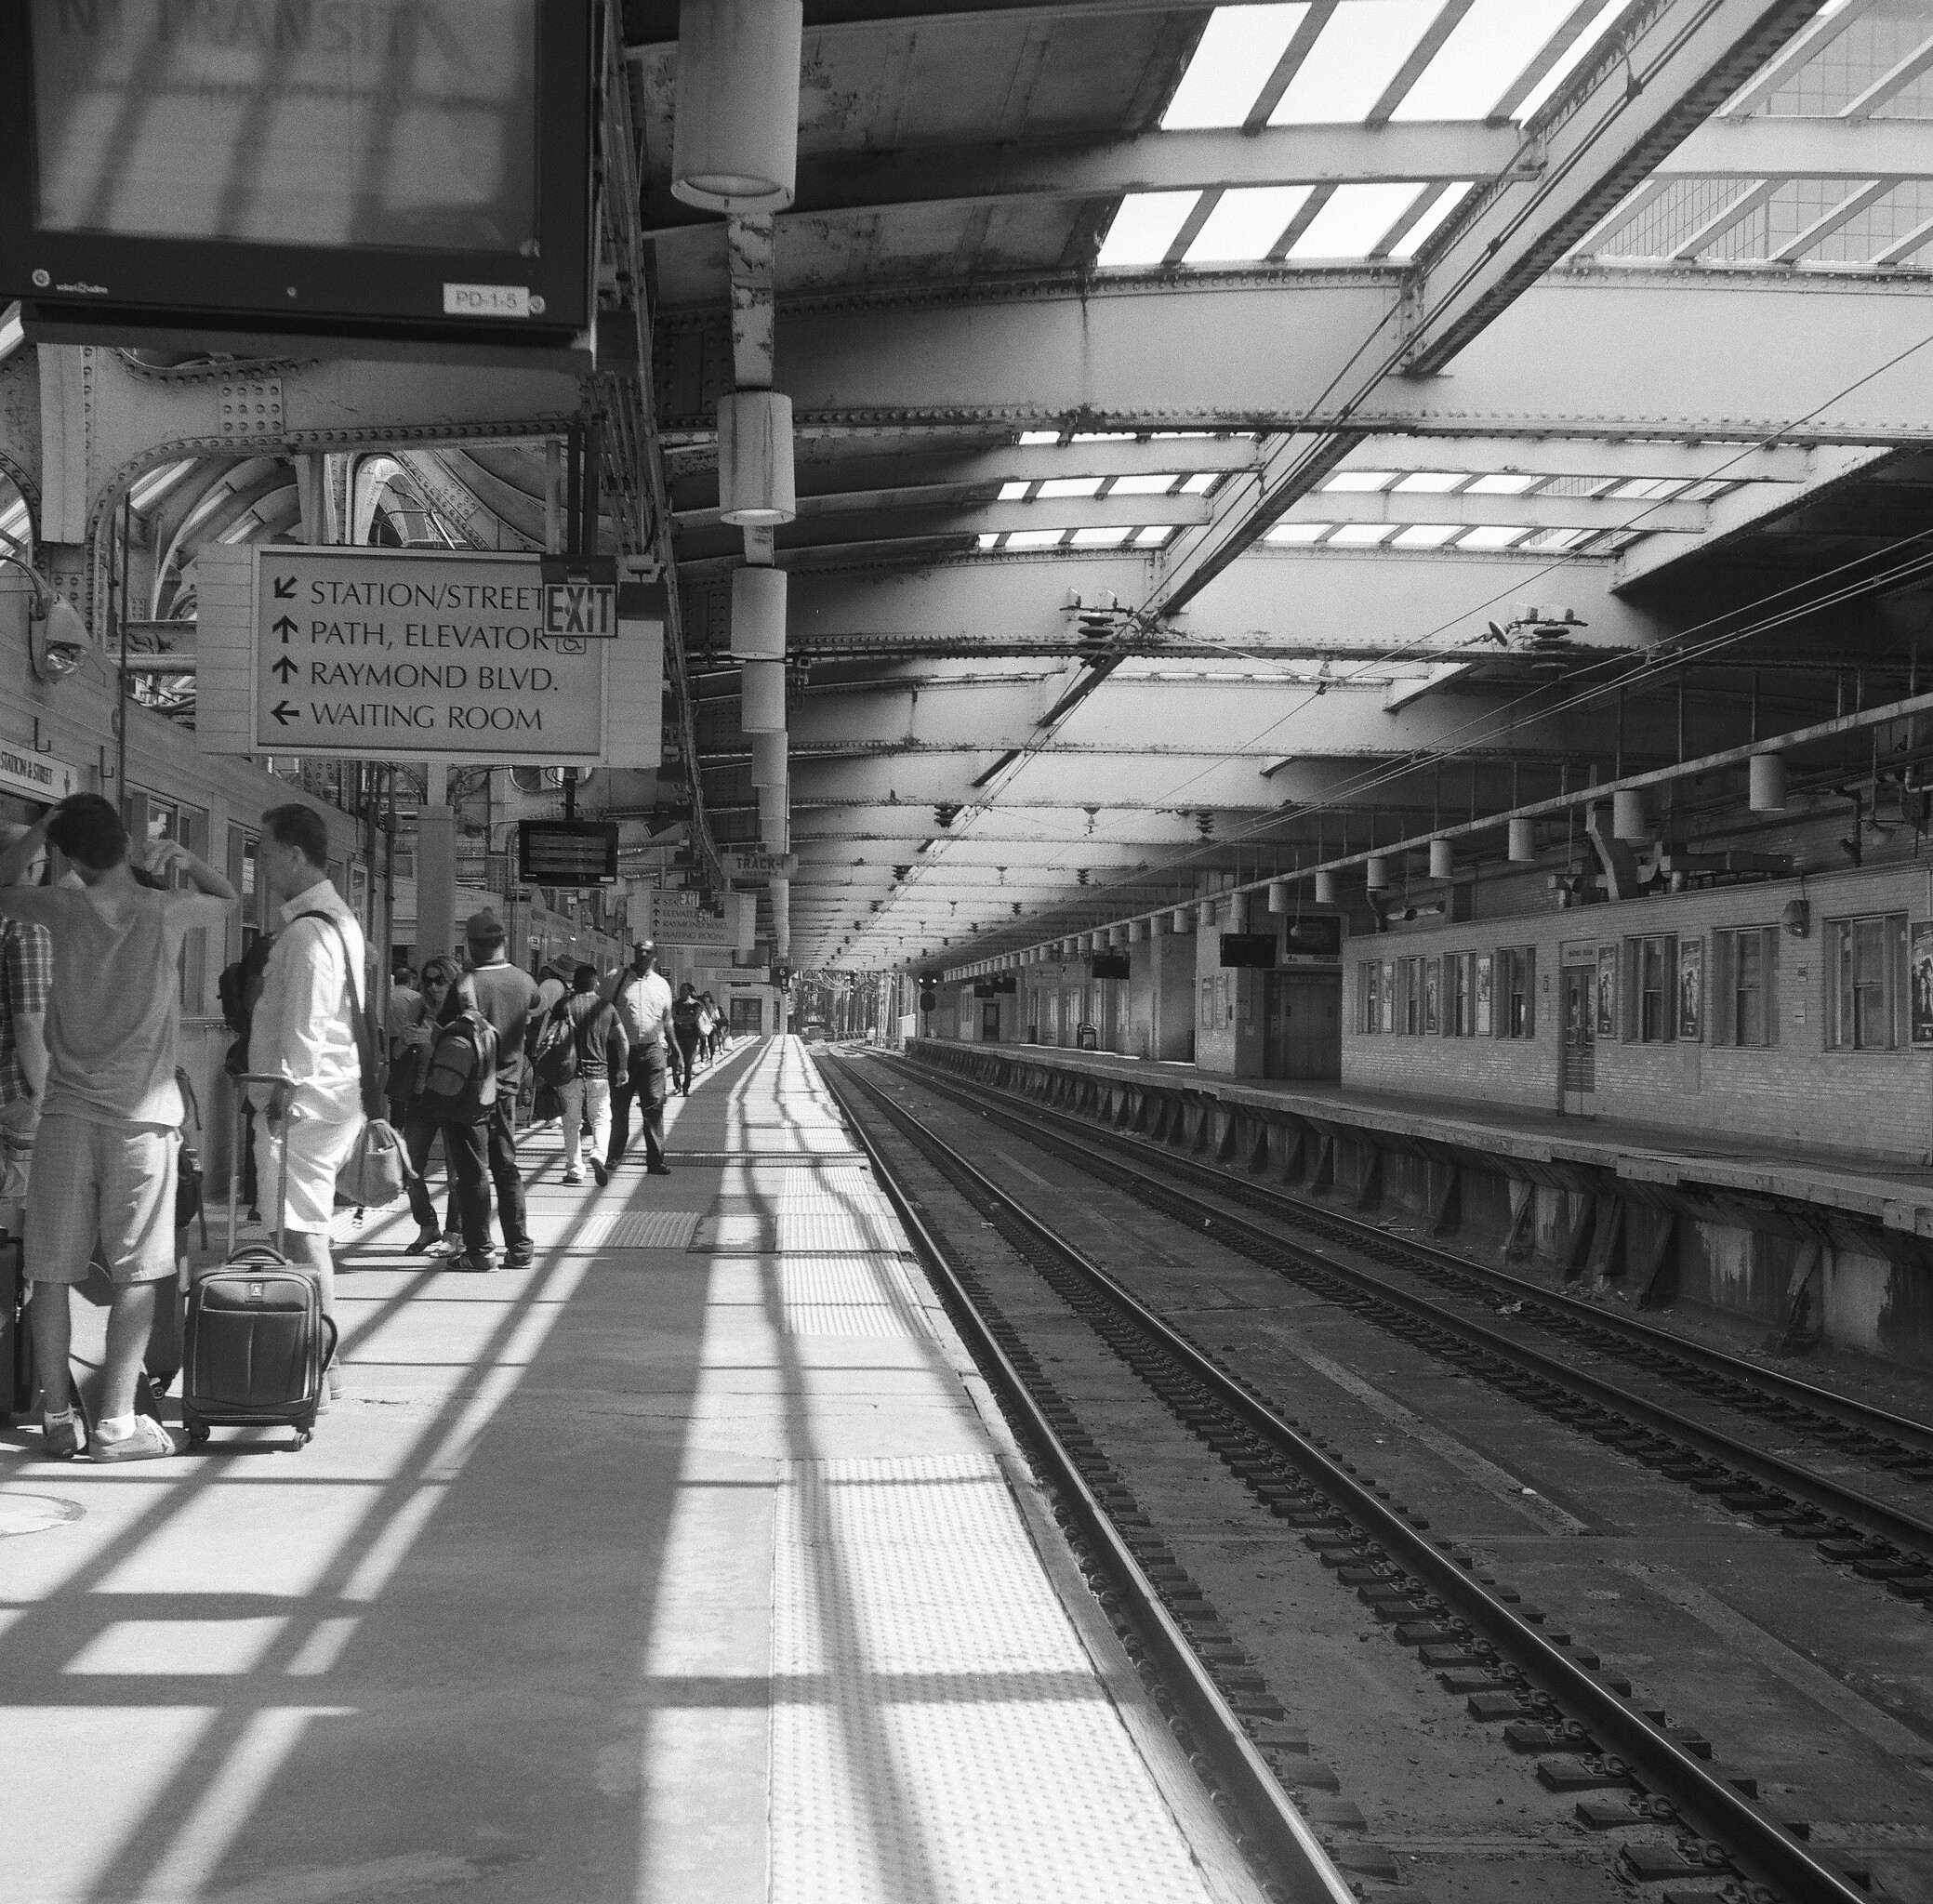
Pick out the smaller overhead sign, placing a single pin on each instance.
(39, 776)
(680, 919)
(581, 597)
(567, 853)
(745, 865)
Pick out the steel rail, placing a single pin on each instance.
(1291, 1845)
(1847, 1409)
(1887, 1523)
(1713, 1807)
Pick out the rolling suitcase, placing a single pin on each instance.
(19, 1385)
(255, 1344)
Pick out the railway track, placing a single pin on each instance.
(1593, 1737)
(1886, 1543)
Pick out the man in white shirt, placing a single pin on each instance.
(111, 1118)
(644, 1002)
(303, 1033)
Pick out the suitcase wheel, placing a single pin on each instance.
(197, 1437)
(303, 1437)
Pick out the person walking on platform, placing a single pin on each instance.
(485, 1152)
(112, 1112)
(406, 1008)
(686, 1036)
(303, 1033)
(419, 1123)
(643, 1003)
(602, 1058)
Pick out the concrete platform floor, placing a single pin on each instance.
(692, 1564)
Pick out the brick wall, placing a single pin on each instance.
(1798, 1090)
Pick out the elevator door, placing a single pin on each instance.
(1304, 1029)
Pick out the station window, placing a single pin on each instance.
(1457, 988)
(1651, 989)
(1369, 997)
(1869, 982)
(1746, 987)
(1516, 992)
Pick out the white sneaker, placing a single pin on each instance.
(444, 1245)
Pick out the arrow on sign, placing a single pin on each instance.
(285, 628)
(284, 713)
(284, 588)
(286, 669)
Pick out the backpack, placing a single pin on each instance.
(238, 988)
(684, 1015)
(459, 1081)
(555, 1059)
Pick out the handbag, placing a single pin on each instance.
(376, 1171)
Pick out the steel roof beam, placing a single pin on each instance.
(861, 183)
(1622, 354)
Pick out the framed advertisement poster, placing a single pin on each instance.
(1485, 967)
(1606, 991)
(1920, 971)
(1389, 995)
(1691, 989)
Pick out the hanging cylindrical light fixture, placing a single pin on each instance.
(1137, 931)
(778, 893)
(758, 614)
(1325, 889)
(1204, 914)
(735, 142)
(1628, 816)
(754, 486)
(1238, 912)
(1442, 860)
(768, 759)
(1278, 895)
(1182, 919)
(1767, 783)
(1376, 873)
(1158, 925)
(1117, 936)
(762, 706)
(1523, 839)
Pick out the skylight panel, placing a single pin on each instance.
(1100, 539)
(1104, 435)
(1359, 481)
(1485, 49)
(988, 541)
(1035, 538)
(1153, 536)
(1202, 484)
(1236, 54)
(1355, 56)
(1425, 535)
(1418, 235)
(1502, 485)
(1558, 538)
(1069, 486)
(1245, 223)
(1142, 486)
(1039, 439)
(1362, 534)
(1014, 492)
(1648, 489)
(1355, 216)
(1144, 225)
(1495, 537)
(1297, 532)
(1431, 482)
(1572, 57)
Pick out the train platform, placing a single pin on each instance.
(694, 1563)
(1887, 1193)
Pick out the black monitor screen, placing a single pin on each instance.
(567, 853)
(1249, 948)
(1111, 965)
(1314, 938)
(320, 123)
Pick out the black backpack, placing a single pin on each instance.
(238, 988)
(459, 1081)
(555, 1059)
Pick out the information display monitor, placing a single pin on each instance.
(386, 168)
(567, 853)
(1249, 949)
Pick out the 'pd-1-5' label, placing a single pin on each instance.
(490, 300)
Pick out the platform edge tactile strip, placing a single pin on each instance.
(938, 1732)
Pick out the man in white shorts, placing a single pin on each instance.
(302, 1034)
(104, 1164)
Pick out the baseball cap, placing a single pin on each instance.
(483, 928)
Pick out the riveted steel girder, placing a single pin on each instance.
(1590, 352)
(118, 417)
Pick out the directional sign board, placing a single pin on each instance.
(383, 654)
(678, 919)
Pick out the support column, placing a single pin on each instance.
(436, 869)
